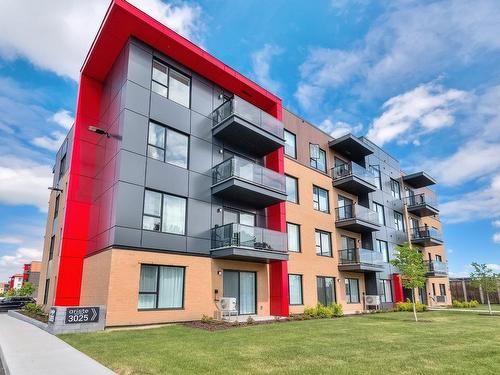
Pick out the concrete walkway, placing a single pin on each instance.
(26, 349)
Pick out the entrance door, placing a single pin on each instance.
(242, 286)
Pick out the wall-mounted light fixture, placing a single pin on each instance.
(55, 188)
(219, 210)
(219, 272)
(95, 129)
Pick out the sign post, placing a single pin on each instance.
(82, 315)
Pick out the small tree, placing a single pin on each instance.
(412, 269)
(26, 290)
(484, 278)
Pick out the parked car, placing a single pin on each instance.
(14, 303)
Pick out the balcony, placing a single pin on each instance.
(426, 236)
(421, 205)
(356, 218)
(241, 180)
(351, 147)
(418, 180)
(249, 128)
(360, 260)
(353, 179)
(436, 268)
(247, 243)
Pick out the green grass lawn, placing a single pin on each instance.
(388, 343)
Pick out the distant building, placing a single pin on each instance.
(16, 281)
(4, 287)
(32, 274)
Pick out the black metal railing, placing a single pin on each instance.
(359, 255)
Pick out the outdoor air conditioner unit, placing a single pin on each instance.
(372, 300)
(228, 304)
(441, 299)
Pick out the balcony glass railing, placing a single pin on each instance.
(249, 112)
(425, 233)
(353, 169)
(436, 266)
(239, 235)
(420, 200)
(246, 170)
(356, 256)
(355, 211)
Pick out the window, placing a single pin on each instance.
(414, 225)
(161, 287)
(326, 290)
(442, 289)
(240, 217)
(375, 169)
(323, 243)
(385, 291)
(56, 206)
(62, 163)
(51, 247)
(171, 83)
(379, 209)
(398, 221)
(46, 292)
(164, 212)
(433, 289)
(317, 157)
(290, 144)
(352, 290)
(439, 258)
(395, 189)
(292, 189)
(167, 145)
(293, 232)
(295, 289)
(320, 199)
(383, 248)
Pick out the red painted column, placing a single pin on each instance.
(398, 288)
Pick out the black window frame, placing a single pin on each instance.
(299, 237)
(51, 246)
(402, 221)
(56, 205)
(442, 289)
(323, 279)
(46, 291)
(169, 68)
(161, 217)
(322, 232)
(375, 169)
(378, 205)
(294, 156)
(383, 295)
(438, 258)
(158, 286)
(386, 250)
(348, 297)
(301, 289)
(316, 199)
(167, 129)
(313, 163)
(395, 194)
(296, 180)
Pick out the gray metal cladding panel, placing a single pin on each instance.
(125, 236)
(199, 187)
(241, 191)
(198, 245)
(135, 98)
(134, 131)
(139, 66)
(128, 205)
(166, 177)
(170, 113)
(199, 223)
(132, 167)
(200, 156)
(201, 97)
(201, 126)
(166, 241)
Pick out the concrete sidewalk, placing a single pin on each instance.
(26, 349)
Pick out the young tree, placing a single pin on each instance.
(484, 278)
(26, 290)
(412, 268)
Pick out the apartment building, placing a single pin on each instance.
(31, 274)
(170, 192)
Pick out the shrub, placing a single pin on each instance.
(337, 309)
(250, 320)
(35, 309)
(207, 319)
(464, 305)
(322, 312)
(408, 306)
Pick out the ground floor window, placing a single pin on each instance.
(46, 292)
(352, 290)
(326, 290)
(161, 287)
(295, 289)
(385, 291)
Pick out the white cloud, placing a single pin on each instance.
(339, 128)
(24, 182)
(52, 142)
(13, 262)
(496, 223)
(496, 238)
(493, 266)
(63, 118)
(10, 240)
(425, 109)
(261, 65)
(60, 39)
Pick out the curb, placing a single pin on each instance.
(4, 362)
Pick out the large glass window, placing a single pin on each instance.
(292, 189)
(171, 84)
(398, 221)
(383, 248)
(323, 243)
(293, 232)
(164, 212)
(375, 169)
(46, 291)
(326, 290)
(395, 189)
(442, 289)
(385, 291)
(290, 144)
(167, 145)
(352, 290)
(295, 289)
(379, 209)
(161, 287)
(51, 247)
(320, 199)
(317, 158)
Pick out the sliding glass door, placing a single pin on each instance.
(241, 285)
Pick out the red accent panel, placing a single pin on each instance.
(278, 288)
(398, 288)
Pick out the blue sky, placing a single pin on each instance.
(421, 79)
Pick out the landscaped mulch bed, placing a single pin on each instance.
(40, 318)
